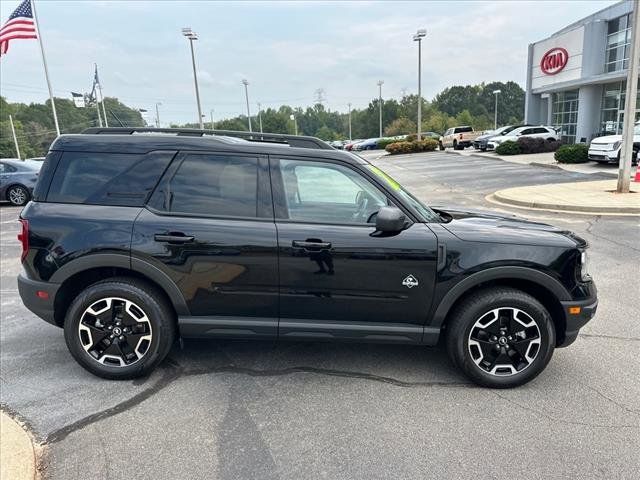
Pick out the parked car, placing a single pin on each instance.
(349, 145)
(432, 135)
(458, 137)
(480, 143)
(178, 235)
(337, 144)
(17, 180)
(368, 144)
(607, 149)
(548, 133)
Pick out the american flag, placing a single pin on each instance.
(19, 25)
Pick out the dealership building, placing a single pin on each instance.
(576, 78)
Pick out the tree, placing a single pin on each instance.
(400, 126)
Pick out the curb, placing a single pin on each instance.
(20, 454)
(496, 198)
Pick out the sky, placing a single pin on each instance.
(287, 50)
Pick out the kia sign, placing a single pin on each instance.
(554, 61)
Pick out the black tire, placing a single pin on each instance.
(18, 195)
(159, 313)
(441, 146)
(476, 307)
(455, 145)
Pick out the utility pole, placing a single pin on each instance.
(260, 115)
(420, 34)
(15, 139)
(191, 35)
(245, 82)
(626, 152)
(158, 115)
(380, 83)
(349, 105)
(295, 122)
(212, 124)
(104, 110)
(495, 110)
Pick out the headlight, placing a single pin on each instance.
(614, 146)
(584, 274)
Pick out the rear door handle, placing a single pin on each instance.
(176, 238)
(311, 245)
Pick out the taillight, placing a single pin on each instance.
(23, 237)
(460, 136)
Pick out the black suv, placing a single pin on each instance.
(136, 236)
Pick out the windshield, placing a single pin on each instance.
(428, 214)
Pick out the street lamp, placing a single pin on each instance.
(380, 83)
(191, 35)
(260, 115)
(295, 122)
(158, 115)
(495, 110)
(349, 105)
(245, 82)
(420, 34)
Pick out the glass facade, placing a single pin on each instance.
(618, 40)
(564, 115)
(612, 116)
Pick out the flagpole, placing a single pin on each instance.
(15, 139)
(104, 111)
(46, 70)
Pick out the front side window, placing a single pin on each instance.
(328, 193)
(212, 185)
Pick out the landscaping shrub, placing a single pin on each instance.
(427, 145)
(411, 138)
(508, 148)
(537, 145)
(577, 153)
(383, 142)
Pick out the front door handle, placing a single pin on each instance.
(175, 238)
(311, 245)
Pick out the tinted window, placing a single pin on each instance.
(107, 178)
(213, 185)
(328, 193)
(6, 168)
(526, 131)
(464, 129)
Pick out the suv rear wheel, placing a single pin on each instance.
(119, 328)
(501, 338)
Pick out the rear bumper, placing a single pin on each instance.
(574, 322)
(42, 307)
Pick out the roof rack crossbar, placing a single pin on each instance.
(299, 141)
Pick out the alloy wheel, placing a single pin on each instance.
(115, 332)
(504, 341)
(17, 196)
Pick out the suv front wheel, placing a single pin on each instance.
(501, 337)
(120, 328)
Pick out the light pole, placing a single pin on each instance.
(245, 82)
(495, 110)
(295, 122)
(211, 114)
(349, 105)
(260, 116)
(380, 83)
(158, 115)
(191, 35)
(420, 34)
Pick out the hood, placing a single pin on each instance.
(483, 226)
(607, 139)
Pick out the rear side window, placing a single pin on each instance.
(211, 185)
(107, 178)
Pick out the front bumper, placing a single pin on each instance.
(575, 321)
(603, 156)
(42, 307)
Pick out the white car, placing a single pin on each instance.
(548, 133)
(607, 149)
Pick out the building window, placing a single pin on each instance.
(612, 115)
(565, 114)
(618, 40)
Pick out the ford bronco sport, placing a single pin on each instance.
(136, 236)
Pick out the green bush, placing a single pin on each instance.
(427, 145)
(577, 153)
(383, 142)
(411, 138)
(508, 148)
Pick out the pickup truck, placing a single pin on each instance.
(458, 137)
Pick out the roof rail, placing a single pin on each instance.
(291, 140)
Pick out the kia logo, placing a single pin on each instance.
(554, 61)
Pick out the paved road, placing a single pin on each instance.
(237, 410)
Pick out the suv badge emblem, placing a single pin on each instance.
(410, 282)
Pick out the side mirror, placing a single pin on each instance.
(390, 220)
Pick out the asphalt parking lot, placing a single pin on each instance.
(237, 410)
